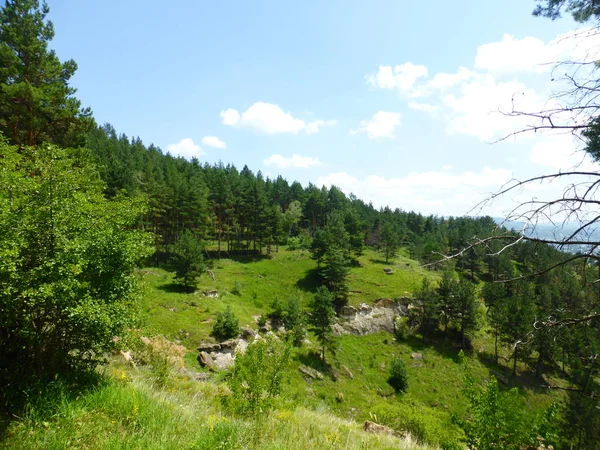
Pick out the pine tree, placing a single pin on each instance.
(36, 101)
(321, 317)
(187, 259)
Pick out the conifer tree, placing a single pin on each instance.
(36, 102)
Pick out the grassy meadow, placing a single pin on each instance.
(131, 410)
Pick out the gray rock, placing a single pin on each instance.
(312, 373)
(205, 360)
(229, 345)
(417, 356)
(338, 330)
(347, 312)
(211, 294)
(388, 271)
(209, 347)
(223, 361)
(247, 333)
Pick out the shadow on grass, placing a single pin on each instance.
(380, 261)
(310, 281)
(175, 288)
(313, 360)
(440, 343)
(39, 401)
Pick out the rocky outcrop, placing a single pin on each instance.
(221, 356)
(368, 319)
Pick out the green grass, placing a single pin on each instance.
(128, 412)
(131, 411)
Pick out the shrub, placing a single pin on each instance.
(237, 289)
(67, 256)
(257, 376)
(226, 325)
(398, 378)
(401, 328)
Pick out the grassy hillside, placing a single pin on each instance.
(132, 411)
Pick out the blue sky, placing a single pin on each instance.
(387, 99)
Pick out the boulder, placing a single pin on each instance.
(223, 361)
(312, 373)
(211, 294)
(388, 271)
(209, 347)
(247, 333)
(205, 360)
(417, 356)
(338, 330)
(229, 345)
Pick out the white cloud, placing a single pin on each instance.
(230, 117)
(561, 152)
(479, 108)
(315, 126)
(381, 125)
(470, 99)
(529, 54)
(185, 148)
(271, 119)
(401, 77)
(432, 192)
(213, 141)
(425, 107)
(514, 55)
(295, 161)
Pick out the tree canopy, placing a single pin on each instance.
(37, 104)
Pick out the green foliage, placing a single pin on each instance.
(321, 317)
(300, 242)
(498, 419)
(294, 319)
(335, 274)
(401, 328)
(67, 257)
(226, 325)
(389, 241)
(187, 259)
(581, 10)
(427, 299)
(398, 378)
(237, 288)
(36, 101)
(257, 375)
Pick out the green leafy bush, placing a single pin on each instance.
(67, 256)
(257, 376)
(398, 378)
(498, 419)
(226, 325)
(237, 289)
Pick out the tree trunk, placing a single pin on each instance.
(514, 371)
(496, 344)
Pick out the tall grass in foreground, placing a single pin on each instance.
(128, 411)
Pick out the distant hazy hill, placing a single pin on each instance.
(551, 231)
